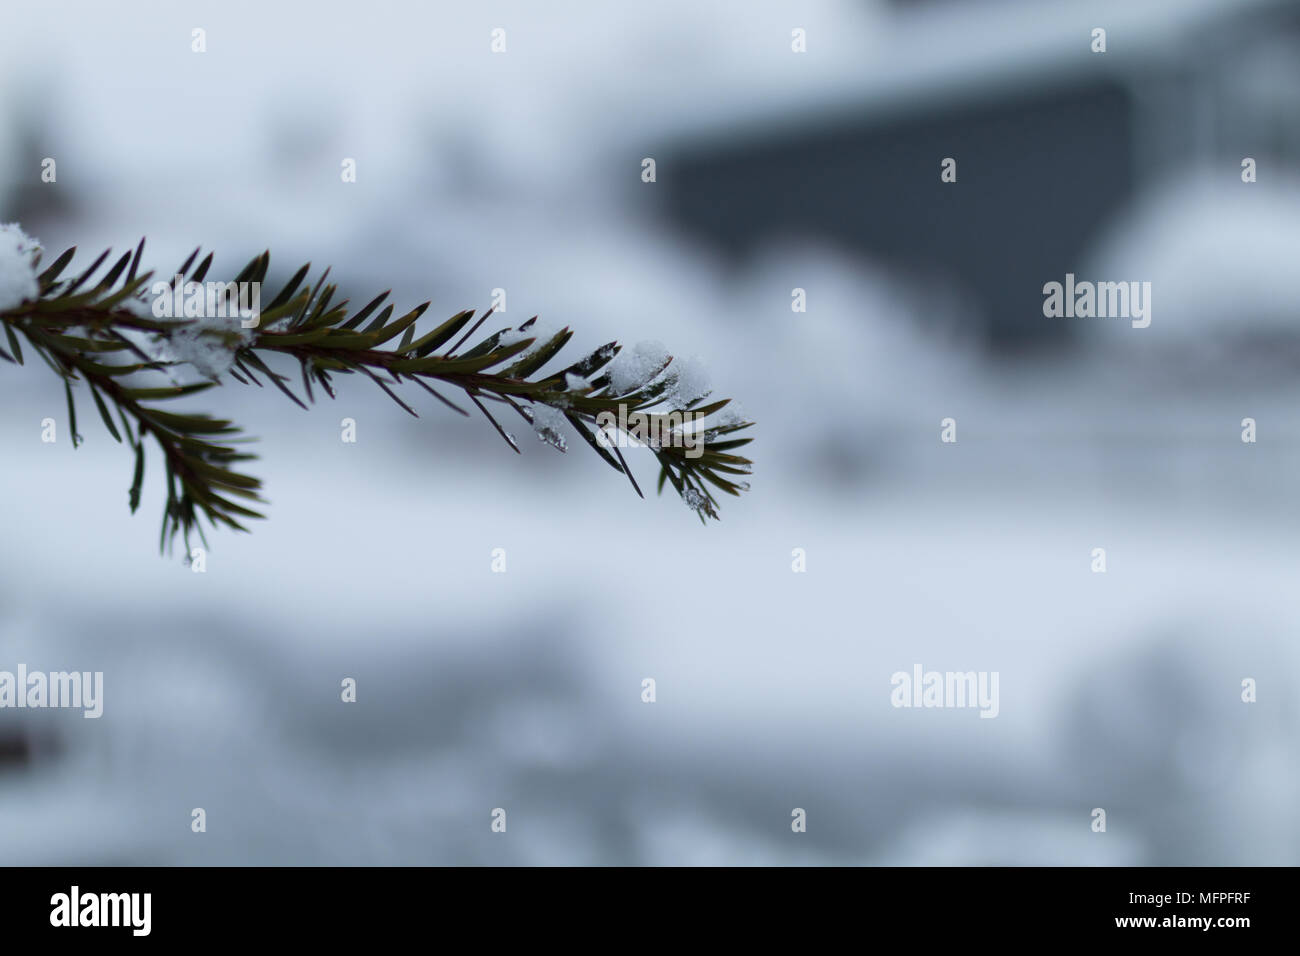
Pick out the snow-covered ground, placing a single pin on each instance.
(522, 690)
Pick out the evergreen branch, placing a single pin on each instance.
(107, 337)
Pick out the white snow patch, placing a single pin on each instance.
(733, 414)
(539, 331)
(511, 336)
(209, 344)
(138, 306)
(549, 423)
(19, 254)
(690, 383)
(635, 367)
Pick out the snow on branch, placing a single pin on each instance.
(133, 343)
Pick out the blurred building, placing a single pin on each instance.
(1050, 139)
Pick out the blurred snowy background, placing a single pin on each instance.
(775, 171)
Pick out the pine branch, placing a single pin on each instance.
(106, 337)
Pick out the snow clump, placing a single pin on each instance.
(19, 254)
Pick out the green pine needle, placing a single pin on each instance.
(96, 335)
